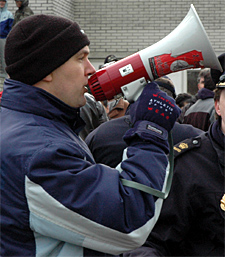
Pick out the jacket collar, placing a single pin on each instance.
(205, 93)
(25, 98)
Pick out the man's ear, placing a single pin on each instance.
(217, 108)
(48, 78)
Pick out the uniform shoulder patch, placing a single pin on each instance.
(186, 145)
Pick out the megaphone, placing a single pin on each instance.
(186, 47)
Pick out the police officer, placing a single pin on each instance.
(192, 220)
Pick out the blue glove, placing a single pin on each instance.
(154, 112)
(156, 106)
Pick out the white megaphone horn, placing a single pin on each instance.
(186, 47)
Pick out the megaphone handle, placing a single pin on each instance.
(133, 90)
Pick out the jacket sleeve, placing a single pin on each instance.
(75, 200)
(176, 217)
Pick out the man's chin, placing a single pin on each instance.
(83, 102)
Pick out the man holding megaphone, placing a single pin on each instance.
(55, 199)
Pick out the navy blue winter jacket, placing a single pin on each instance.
(55, 200)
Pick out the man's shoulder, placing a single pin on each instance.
(120, 123)
(27, 9)
(184, 131)
(200, 104)
(116, 126)
(188, 145)
(8, 13)
(201, 143)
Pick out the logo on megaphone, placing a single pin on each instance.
(186, 47)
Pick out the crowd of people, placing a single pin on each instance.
(80, 177)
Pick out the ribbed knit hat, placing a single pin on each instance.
(39, 44)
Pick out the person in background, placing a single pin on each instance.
(200, 85)
(117, 108)
(201, 78)
(183, 99)
(192, 220)
(105, 105)
(106, 142)
(202, 113)
(6, 21)
(93, 113)
(109, 59)
(55, 199)
(22, 12)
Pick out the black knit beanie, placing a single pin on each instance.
(39, 44)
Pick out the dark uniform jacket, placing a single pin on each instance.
(106, 142)
(192, 221)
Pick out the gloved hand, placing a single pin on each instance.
(156, 106)
(153, 115)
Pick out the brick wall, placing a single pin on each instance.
(123, 27)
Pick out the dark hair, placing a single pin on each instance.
(183, 98)
(208, 82)
(203, 73)
(110, 58)
(217, 93)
